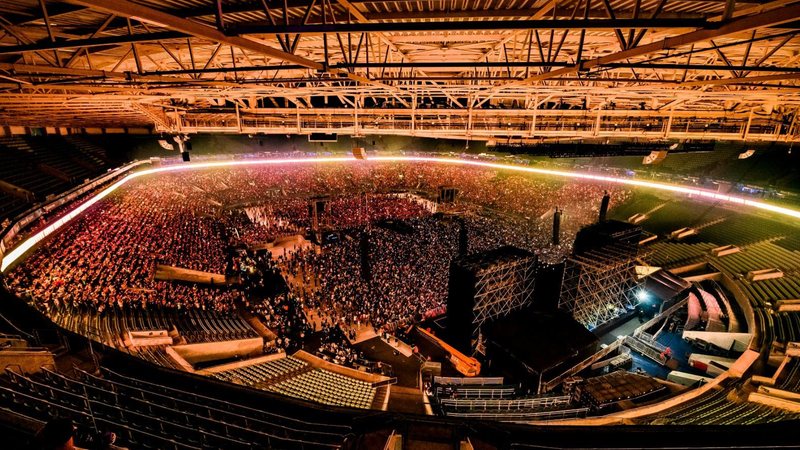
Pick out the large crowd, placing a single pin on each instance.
(107, 257)
(194, 219)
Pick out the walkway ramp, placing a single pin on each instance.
(172, 273)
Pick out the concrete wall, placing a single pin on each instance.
(30, 361)
(148, 338)
(210, 351)
(319, 363)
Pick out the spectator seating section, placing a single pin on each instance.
(88, 150)
(765, 255)
(146, 415)
(263, 373)
(157, 354)
(329, 388)
(716, 408)
(765, 167)
(697, 161)
(769, 252)
(791, 382)
(195, 325)
(766, 292)
(11, 206)
(674, 254)
(743, 230)
(294, 377)
(57, 153)
(500, 402)
(786, 326)
(46, 165)
(675, 215)
(18, 167)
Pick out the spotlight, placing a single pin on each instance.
(642, 295)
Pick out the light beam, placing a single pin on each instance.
(29, 243)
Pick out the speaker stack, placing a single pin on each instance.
(447, 194)
(359, 153)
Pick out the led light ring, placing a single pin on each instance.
(29, 243)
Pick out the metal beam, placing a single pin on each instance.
(748, 23)
(620, 38)
(139, 68)
(536, 15)
(207, 9)
(49, 30)
(507, 13)
(54, 10)
(389, 44)
(91, 73)
(771, 52)
(21, 38)
(129, 9)
(36, 69)
(83, 49)
(92, 42)
(394, 27)
(743, 80)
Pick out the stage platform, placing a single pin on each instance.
(529, 346)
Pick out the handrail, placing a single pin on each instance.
(216, 400)
(161, 406)
(658, 317)
(377, 384)
(506, 415)
(389, 440)
(71, 411)
(644, 349)
(25, 349)
(22, 332)
(474, 381)
(518, 403)
(480, 392)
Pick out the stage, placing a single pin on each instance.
(530, 346)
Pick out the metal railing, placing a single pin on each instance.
(482, 381)
(645, 349)
(520, 416)
(507, 404)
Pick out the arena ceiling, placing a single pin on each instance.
(511, 70)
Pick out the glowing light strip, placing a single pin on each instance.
(29, 243)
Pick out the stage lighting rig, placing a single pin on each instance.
(184, 145)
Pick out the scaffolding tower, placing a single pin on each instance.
(487, 286)
(600, 285)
